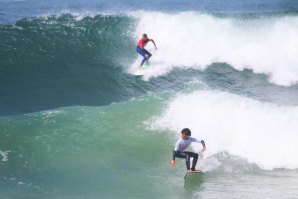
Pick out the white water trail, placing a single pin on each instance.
(263, 133)
(267, 45)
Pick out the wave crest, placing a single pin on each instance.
(262, 133)
(267, 44)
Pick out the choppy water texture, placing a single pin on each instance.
(76, 123)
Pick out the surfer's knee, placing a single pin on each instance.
(187, 156)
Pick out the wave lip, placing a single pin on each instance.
(262, 133)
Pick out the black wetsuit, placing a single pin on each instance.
(179, 152)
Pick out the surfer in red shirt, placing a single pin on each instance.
(141, 48)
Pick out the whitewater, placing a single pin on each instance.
(263, 44)
(262, 133)
(76, 123)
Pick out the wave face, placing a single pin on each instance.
(64, 60)
(265, 44)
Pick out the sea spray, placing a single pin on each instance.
(264, 44)
(262, 133)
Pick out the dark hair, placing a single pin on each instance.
(145, 35)
(186, 131)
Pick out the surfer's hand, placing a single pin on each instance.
(155, 48)
(173, 163)
(203, 150)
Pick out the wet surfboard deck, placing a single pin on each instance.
(193, 174)
(193, 180)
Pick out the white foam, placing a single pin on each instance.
(4, 155)
(262, 133)
(208, 164)
(265, 45)
(154, 70)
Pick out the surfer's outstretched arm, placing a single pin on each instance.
(154, 44)
(204, 146)
(173, 163)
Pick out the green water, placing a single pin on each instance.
(75, 124)
(113, 152)
(86, 151)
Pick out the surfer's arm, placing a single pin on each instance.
(173, 162)
(174, 155)
(154, 44)
(200, 141)
(204, 146)
(203, 143)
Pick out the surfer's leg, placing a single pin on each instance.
(143, 61)
(187, 162)
(185, 156)
(141, 52)
(194, 161)
(148, 55)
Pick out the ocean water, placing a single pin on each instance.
(75, 123)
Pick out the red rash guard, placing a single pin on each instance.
(142, 43)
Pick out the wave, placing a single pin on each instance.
(18, 9)
(71, 145)
(56, 61)
(69, 59)
(263, 43)
(86, 58)
(262, 133)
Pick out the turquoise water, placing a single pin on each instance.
(76, 123)
(113, 152)
(78, 146)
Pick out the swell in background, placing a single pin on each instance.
(71, 146)
(60, 61)
(65, 60)
(265, 44)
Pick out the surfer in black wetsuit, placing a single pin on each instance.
(181, 145)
